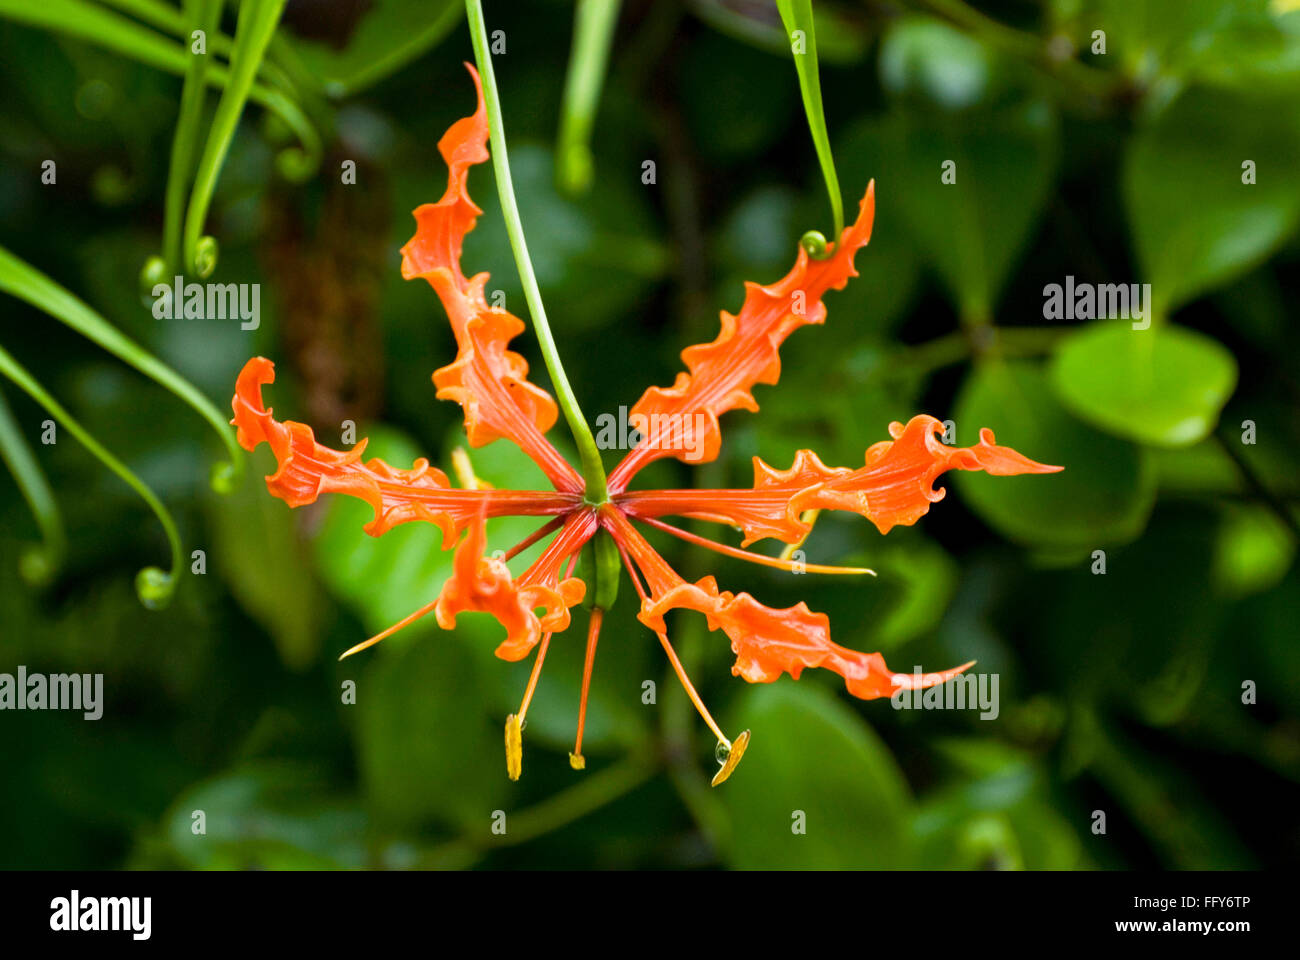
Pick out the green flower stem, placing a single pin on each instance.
(798, 15)
(37, 564)
(593, 470)
(154, 586)
(27, 283)
(257, 22)
(593, 32)
(202, 15)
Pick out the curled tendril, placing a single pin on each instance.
(298, 163)
(206, 254)
(814, 241)
(38, 562)
(37, 565)
(152, 273)
(154, 586)
(223, 476)
(256, 24)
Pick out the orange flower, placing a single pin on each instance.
(895, 484)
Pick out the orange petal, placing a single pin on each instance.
(767, 641)
(483, 584)
(895, 486)
(745, 352)
(487, 379)
(306, 469)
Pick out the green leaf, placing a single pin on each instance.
(966, 229)
(257, 551)
(845, 38)
(812, 759)
(797, 16)
(390, 34)
(429, 751)
(265, 817)
(1165, 385)
(924, 59)
(599, 258)
(1196, 225)
(1254, 551)
(1105, 492)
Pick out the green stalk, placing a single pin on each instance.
(593, 471)
(179, 23)
(153, 586)
(257, 22)
(202, 15)
(37, 564)
(798, 15)
(593, 32)
(27, 283)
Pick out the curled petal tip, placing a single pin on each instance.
(732, 759)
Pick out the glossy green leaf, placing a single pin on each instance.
(389, 35)
(265, 817)
(813, 764)
(1196, 224)
(1254, 551)
(257, 549)
(428, 749)
(1165, 385)
(966, 229)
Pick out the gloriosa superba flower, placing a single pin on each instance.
(893, 486)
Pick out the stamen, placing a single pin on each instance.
(783, 563)
(463, 467)
(808, 517)
(728, 753)
(514, 747)
(576, 759)
(515, 722)
(533, 537)
(405, 621)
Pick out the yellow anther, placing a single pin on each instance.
(733, 757)
(514, 748)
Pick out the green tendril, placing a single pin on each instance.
(257, 22)
(25, 282)
(201, 15)
(593, 470)
(797, 16)
(814, 241)
(38, 563)
(593, 34)
(153, 586)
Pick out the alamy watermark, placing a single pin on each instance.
(75, 913)
(661, 431)
(967, 691)
(209, 301)
(55, 691)
(1098, 301)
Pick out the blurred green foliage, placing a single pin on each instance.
(1121, 691)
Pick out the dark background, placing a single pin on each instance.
(1120, 693)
